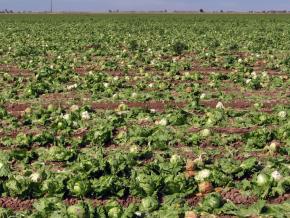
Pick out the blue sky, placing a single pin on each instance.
(105, 5)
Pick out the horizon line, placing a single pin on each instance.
(109, 11)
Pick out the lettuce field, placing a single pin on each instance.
(153, 115)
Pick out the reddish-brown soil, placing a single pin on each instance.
(125, 202)
(233, 195)
(194, 129)
(82, 71)
(56, 166)
(157, 105)
(17, 109)
(15, 71)
(241, 54)
(161, 105)
(233, 130)
(16, 204)
(80, 132)
(265, 155)
(259, 66)
(25, 130)
(280, 199)
(194, 200)
(64, 96)
(236, 197)
(210, 70)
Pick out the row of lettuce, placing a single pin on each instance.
(143, 127)
(92, 175)
(172, 207)
(58, 78)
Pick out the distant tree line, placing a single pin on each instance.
(112, 11)
(117, 11)
(6, 11)
(270, 12)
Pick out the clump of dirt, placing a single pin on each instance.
(81, 70)
(236, 197)
(15, 107)
(194, 129)
(280, 199)
(16, 203)
(71, 201)
(194, 200)
(232, 130)
(125, 202)
(15, 71)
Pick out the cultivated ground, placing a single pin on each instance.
(144, 115)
